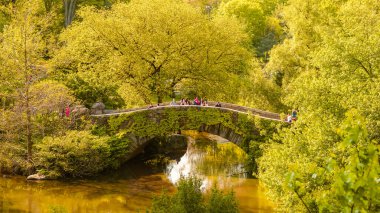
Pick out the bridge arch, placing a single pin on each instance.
(236, 124)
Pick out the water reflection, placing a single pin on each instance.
(208, 157)
(216, 161)
(131, 188)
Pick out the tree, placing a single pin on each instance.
(250, 13)
(355, 184)
(22, 49)
(22, 69)
(154, 51)
(328, 73)
(70, 7)
(260, 23)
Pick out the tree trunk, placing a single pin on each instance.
(28, 79)
(69, 7)
(29, 141)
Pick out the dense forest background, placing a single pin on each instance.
(321, 57)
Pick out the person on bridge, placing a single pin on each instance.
(289, 118)
(67, 111)
(218, 105)
(204, 101)
(196, 101)
(294, 115)
(173, 103)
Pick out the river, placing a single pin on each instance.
(130, 188)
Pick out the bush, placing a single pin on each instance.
(189, 198)
(118, 150)
(220, 202)
(78, 153)
(12, 159)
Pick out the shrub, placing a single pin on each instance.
(220, 202)
(189, 198)
(12, 159)
(118, 150)
(78, 153)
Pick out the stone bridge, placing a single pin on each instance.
(138, 126)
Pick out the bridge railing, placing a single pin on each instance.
(211, 104)
(254, 111)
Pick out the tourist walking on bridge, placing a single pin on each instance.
(173, 103)
(196, 101)
(294, 115)
(67, 111)
(204, 101)
(289, 118)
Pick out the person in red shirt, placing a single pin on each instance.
(67, 111)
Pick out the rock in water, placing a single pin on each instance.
(36, 177)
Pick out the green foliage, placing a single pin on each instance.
(12, 158)
(254, 153)
(250, 13)
(220, 202)
(24, 44)
(111, 53)
(78, 153)
(49, 96)
(162, 204)
(3, 20)
(92, 91)
(355, 185)
(118, 150)
(257, 91)
(262, 26)
(266, 132)
(189, 198)
(324, 176)
(327, 66)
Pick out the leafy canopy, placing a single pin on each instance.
(152, 46)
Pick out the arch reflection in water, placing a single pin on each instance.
(209, 157)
